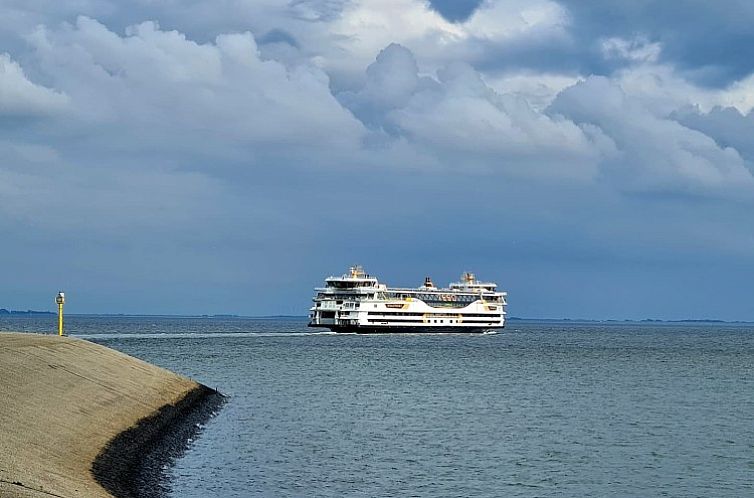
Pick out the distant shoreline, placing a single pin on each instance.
(6, 312)
(646, 321)
(616, 321)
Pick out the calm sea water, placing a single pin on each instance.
(540, 409)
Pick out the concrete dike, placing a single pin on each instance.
(81, 420)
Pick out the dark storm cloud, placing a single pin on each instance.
(711, 41)
(455, 10)
(728, 126)
(548, 52)
(278, 36)
(550, 44)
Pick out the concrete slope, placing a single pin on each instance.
(61, 401)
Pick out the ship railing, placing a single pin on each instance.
(462, 288)
(328, 306)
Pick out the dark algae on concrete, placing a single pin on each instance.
(134, 464)
(78, 419)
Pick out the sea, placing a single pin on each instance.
(540, 409)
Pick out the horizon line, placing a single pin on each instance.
(233, 315)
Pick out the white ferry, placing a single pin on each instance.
(357, 302)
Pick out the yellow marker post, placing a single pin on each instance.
(60, 299)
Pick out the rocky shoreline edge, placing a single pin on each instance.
(135, 463)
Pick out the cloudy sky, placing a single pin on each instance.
(594, 157)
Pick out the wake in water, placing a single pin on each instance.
(198, 335)
(230, 335)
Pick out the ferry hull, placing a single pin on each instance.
(386, 329)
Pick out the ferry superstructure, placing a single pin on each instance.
(358, 302)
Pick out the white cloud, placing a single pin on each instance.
(664, 87)
(664, 90)
(506, 20)
(220, 108)
(538, 89)
(365, 27)
(21, 97)
(163, 91)
(655, 154)
(159, 128)
(638, 49)
(740, 94)
(467, 122)
(467, 126)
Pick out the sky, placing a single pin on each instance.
(593, 157)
